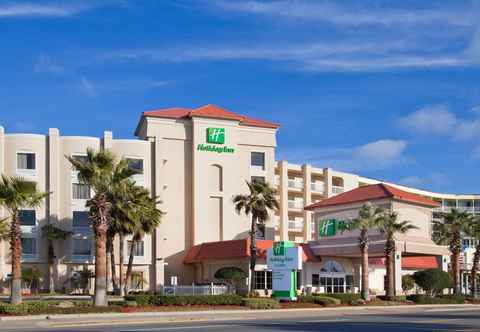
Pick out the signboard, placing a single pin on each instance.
(216, 139)
(330, 227)
(284, 259)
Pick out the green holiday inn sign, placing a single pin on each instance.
(215, 140)
(330, 227)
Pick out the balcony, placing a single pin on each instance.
(295, 225)
(337, 190)
(317, 187)
(296, 204)
(295, 184)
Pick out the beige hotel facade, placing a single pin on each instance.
(195, 161)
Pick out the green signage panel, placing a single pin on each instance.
(330, 227)
(216, 135)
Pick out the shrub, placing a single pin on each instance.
(407, 282)
(426, 299)
(345, 298)
(321, 300)
(261, 303)
(26, 308)
(398, 298)
(433, 281)
(149, 299)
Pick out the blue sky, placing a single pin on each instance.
(387, 89)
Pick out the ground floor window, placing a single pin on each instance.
(332, 283)
(137, 280)
(263, 280)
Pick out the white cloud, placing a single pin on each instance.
(434, 119)
(50, 8)
(379, 154)
(433, 180)
(87, 87)
(349, 16)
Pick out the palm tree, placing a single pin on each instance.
(390, 226)
(257, 205)
(449, 232)
(474, 231)
(17, 193)
(52, 233)
(144, 217)
(369, 217)
(101, 172)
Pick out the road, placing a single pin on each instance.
(371, 320)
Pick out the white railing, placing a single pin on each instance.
(196, 290)
(318, 187)
(294, 224)
(295, 204)
(295, 184)
(337, 190)
(465, 209)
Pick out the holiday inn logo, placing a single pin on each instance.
(216, 135)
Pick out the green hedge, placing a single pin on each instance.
(150, 299)
(45, 308)
(345, 298)
(322, 300)
(261, 303)
(397, 298)
(446, 299)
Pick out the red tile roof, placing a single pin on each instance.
(371, 193)
(410, 262)
(209, 111)
(236, 249)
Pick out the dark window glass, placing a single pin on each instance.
(259, 179)
(81, 219)
(26, 161)
(315, 280)
(260, 231)
(259, 279)
(82, 247)
(258, 159)
(29, 245)
(269, 280)
(80, 191)
(27, 217)
(136, 164)
(138, 248)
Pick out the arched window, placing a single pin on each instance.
(216, 178)
(332, 267)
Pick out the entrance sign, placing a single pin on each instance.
(329, 227)
(284, 259)
(216, 139)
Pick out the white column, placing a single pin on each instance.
(107, 140)
(398, 272)
(307, 200)
(3, 244)
(327, 175)
(283, 190)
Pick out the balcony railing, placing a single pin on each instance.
(295, 204)
(318, 187)
(295, 225)
(337, 190)
(295, 184)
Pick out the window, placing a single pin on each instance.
(136, 164)
(82, 246)
(27, 217)
(258, 159)
(138, 248)
(29, 245)
(269, 280)
(80, 191)
(25, 161)
(259, 279)
(137, 280)
(315, 280)
(260, 231)
(259, 179)
(81, 219)
(81, 158)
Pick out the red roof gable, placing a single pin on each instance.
(236, 249)
(373, 192)
(209, 111)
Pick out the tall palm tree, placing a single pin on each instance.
(144, 216)
(17, 193)
(449, 232)
(474, 231)
(101, 172)
(390, 227)
(368, 218)
(256, 205)
(52, 234)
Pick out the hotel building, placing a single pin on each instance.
(195, 161)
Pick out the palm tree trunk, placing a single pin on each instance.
(253, 253)
(101, 227)
(113, 271)
(475, 263)
(129, 266)
(364, 252)
(51, 258)
(16, 247)
(122, 258)
(456, 263)
(390, 278)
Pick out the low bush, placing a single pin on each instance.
(426, 299)
(261, 303)
(149, 299)
(345, 298)
(397, 298)
(45, 308)
(433, 281)
(321, 300)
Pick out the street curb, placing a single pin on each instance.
(193, 314)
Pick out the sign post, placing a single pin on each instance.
(284, 259)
